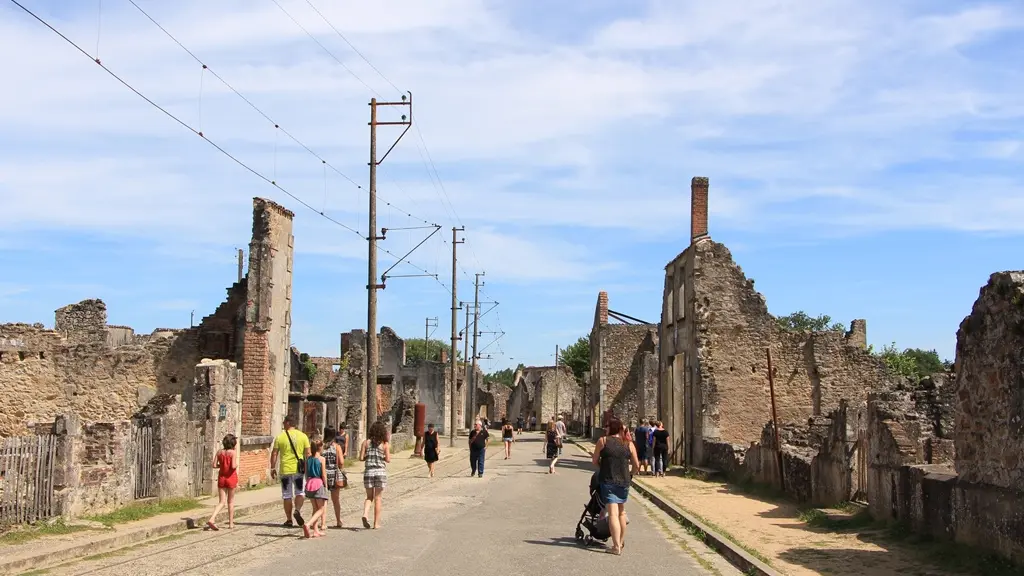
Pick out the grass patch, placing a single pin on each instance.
(39, 572)
(143, 510)
(28, 533)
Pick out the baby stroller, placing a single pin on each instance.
(593, 518)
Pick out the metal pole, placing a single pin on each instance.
(240, 267)
(371, 282)
(775, 423)
(455, 321)
(426, 340)
(476, 335)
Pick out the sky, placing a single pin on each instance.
(865, 157)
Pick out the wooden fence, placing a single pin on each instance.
(26, 479)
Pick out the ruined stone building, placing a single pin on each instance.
(715, 333)
(401, 383)
(544, 391)
(100, 373)
(947, 455)
(623, 365)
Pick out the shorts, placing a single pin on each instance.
(375, 481)
(641, 453)
(507, 440)
(292, 485)
(612, 494)
(315, 489)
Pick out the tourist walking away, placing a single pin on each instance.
(533, 422)
(519, 424)
(477, 449)
(226, 463)
(640, 442)
(650, 444)
(334, 462)
(616, 460)
(660, 436)
(287, 462)
(375, 452)
(508, 437)
(560, 428)
(431, 449)
(316, 489)
(551, 446)
(342, 440)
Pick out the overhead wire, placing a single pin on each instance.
(205, 138)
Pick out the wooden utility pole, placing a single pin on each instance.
(476, 336)
(465, 356)
(455, 321)
(775, 423)
(240, 267)
(372, 356)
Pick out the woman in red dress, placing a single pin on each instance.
(226, 463)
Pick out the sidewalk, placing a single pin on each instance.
(52, 550)
(781, 537)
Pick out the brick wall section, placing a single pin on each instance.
(257, 387)
(698, 207)
(105, 457)
(253, 465)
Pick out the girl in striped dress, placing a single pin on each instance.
(375, 452)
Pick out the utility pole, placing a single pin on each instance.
(426, 338)
(556, 380)
(240, 264)
(476, 335)
(372, 357)
(455, 321)
(465, 356)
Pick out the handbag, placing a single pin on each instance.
(301, 463)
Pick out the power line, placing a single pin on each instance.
(198, 133)
(354, 49)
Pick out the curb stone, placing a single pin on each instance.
(191, 520)
(736, 556)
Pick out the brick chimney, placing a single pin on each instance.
(698, 208)
(602, 309)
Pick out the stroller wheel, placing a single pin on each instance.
(579, 533)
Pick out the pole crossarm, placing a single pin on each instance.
(404, 122)
(384, 276)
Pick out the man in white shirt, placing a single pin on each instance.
(560, 430)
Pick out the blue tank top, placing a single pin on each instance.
(313, 469)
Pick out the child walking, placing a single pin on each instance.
(316, 488)
(226, 463)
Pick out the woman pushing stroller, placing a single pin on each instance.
(616, 459)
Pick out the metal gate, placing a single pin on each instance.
(142, 436)
(199, 462)
(26, 479)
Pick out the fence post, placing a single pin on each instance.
(67, 429)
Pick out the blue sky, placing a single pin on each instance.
(865, 157)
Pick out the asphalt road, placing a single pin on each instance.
(515, 518)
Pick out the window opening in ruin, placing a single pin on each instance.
(753, 369)
(336, 367)
(42, 355)
(174, 379)
(21, 355)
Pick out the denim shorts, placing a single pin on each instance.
(612, 494)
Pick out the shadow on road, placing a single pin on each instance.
(564, 541)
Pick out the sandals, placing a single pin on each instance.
(212, 526)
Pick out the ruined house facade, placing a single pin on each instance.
(715, 334)
(623, 365)
(544, 392)
(97, 373)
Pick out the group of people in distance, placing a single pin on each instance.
(651, 441)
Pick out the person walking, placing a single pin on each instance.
(551, 445)
(508, 437)
(660, 448)
(640, 443)
(519, 425)
(287, 462)
(334, 462)
(533, 422)
(316, 489)
(477, 449)
(651, 427)
(376, 453)
(616, 460)
(431, 449)
(342, 440)
(226, 463)
(560, 428)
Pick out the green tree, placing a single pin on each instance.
(506, 376)
(420, 349)
(913, 363)
(577, 357)
(799, 321)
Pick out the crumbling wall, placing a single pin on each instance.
(105, 461)
(623, 365)
(813, 372)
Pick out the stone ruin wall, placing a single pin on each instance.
(625, 355)
(812, 372)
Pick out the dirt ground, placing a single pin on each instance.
(772, 530)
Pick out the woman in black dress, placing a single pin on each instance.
(551, 445)
(431, 449)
